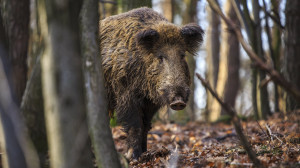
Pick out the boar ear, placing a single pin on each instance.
(147, 38)
(193, 36)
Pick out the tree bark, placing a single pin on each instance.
(168, 9)
(228, 76)
(15, 16)
(32, 105)
(32, 109)
(251, 35)
(213, 55)
(277, 48)
(292, 50)
(62, 85)
(95, 93)
(262, 92)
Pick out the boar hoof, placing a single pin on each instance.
(136, 154)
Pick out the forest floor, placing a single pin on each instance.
(276, 142)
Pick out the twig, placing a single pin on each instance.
(236, 122)
(276, 77)
(241, 15)
(269, 131)
(273, 135)
(275, 20)
(261, 127)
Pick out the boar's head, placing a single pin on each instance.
(167, 74)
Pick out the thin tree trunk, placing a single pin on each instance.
(274, 56)
(15, 16)
(32, 105)
(62, 84)
(168, 9)
(32, 108)
(228, 77)
(251, 35)
(277, 48)
(213, 55)
(262, 92)
(292, 51)
(98, 120)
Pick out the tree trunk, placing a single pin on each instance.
(213, 55)
(292, 50)
(277, 48)
(168, 9)
(98, 120)
(228, 76)
(62, 85)
(32, 108)
(252, 37)
(15, 16)
(274, 49)
(262, 92)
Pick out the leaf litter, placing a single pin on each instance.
(276, 142)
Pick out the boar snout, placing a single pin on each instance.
(178, 101)
(178, 104)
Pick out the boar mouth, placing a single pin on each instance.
(178, 104)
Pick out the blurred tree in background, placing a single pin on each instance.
(228, 75)
(213, 55)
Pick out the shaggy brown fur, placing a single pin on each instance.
(145, 68)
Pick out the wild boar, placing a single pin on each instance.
(143, 58)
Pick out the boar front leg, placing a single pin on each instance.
(149, 110)
(130, 117)
(134, 142)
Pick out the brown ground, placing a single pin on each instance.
(217, 145)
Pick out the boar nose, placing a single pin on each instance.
(178, 104)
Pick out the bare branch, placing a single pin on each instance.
(236, 122)
(274, 18)
(241, 15)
